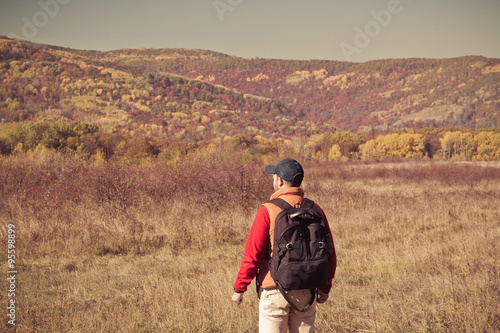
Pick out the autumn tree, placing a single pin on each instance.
(488, 145)
(395, 145)
(458, 145)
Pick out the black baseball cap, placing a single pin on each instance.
(287, 169)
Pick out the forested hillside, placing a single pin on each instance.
(384, 94)
(141, 103)
(55, 84)
(200, 94)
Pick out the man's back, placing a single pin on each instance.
(276, 313)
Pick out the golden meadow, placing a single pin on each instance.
(155, 247)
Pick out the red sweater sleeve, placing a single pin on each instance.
(255, 250)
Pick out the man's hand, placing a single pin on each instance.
(322, 297)
(237, 298)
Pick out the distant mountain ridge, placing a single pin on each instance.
(201, 94)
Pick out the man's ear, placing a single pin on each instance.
(281, 182)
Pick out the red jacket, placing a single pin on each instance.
(258, 247)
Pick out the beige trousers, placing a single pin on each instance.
(276, 315)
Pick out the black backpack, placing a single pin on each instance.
(301, 249)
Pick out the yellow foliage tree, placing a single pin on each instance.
(458, 145)
(334, 153)
(488, 145)
(369, 150)
(410, 145)
(99, 159)
(405, 145)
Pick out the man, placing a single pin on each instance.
(275, 312)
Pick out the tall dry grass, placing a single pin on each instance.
(156, 248)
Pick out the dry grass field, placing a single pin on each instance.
(156, 248)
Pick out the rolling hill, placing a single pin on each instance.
(200, 94)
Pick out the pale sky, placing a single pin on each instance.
(347, 30)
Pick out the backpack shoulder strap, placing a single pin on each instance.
(280, 203)
(307, 203)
